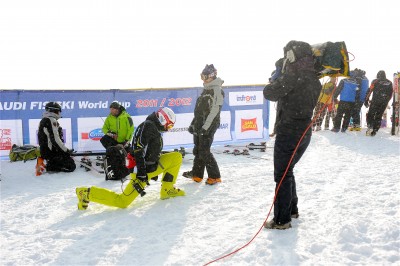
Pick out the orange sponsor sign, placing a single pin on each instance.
(249, 124)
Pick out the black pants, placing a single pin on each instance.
(355, 113)
(286, 199)
(203, 158)
(345, 109)
(60, 163)
(108, 141)
(374, 116)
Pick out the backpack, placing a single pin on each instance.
(331, 59)
(24, 153)
(115, 163)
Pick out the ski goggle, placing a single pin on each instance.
(205, 77)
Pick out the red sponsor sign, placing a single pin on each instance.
(5, 139)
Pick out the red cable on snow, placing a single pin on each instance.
(279, 185)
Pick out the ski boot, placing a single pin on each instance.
(40, 166)
(169, 191)
(83, 197)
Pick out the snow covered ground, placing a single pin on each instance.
(348, 188)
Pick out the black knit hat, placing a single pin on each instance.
(53, 107)
(299, 48)
(115, 105)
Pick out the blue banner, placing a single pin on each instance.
(244, 116)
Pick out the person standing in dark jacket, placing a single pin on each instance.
(147, 147)
(361, 93)
(347, 89)
(296, 91)
(205, 123)
(381, 90)
(51, 143)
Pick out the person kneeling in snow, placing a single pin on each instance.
(51, 143)
(147, 147)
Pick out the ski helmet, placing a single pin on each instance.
(166, 117)
(53, 107)
(209, 71)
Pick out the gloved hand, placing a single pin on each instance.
(142, 177)
(70, 151)
(112, 135)
(191, 129)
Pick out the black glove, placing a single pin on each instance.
(70, 151)
(112, 134)
(191, 129)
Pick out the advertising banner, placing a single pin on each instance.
(244, 116)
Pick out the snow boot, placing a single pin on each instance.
(197, 179)
(272, 225)
(368, 133)
(188, 174)
(294, 215)
(213, 181)
(336, 130)
(83, 197)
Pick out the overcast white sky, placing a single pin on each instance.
(75, 44)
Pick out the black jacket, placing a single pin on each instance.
(381, 90)
(50, 136)
(297, 92)
(148, 144)
(208, 107)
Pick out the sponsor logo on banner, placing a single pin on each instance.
(95, 134)
(5, 139)
(10, 133)
(249, 124)
(241, 98)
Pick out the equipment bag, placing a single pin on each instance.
(331, 59)
(24, 153)
(115, 163)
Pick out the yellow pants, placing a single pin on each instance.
(169, 163)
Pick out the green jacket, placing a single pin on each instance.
(122, 125)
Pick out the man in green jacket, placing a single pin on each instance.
(118, 127)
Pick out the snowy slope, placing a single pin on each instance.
(348, 188)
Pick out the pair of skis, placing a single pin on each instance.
(262, 146)
(237, 152)
(396, 104)
(96, 165)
